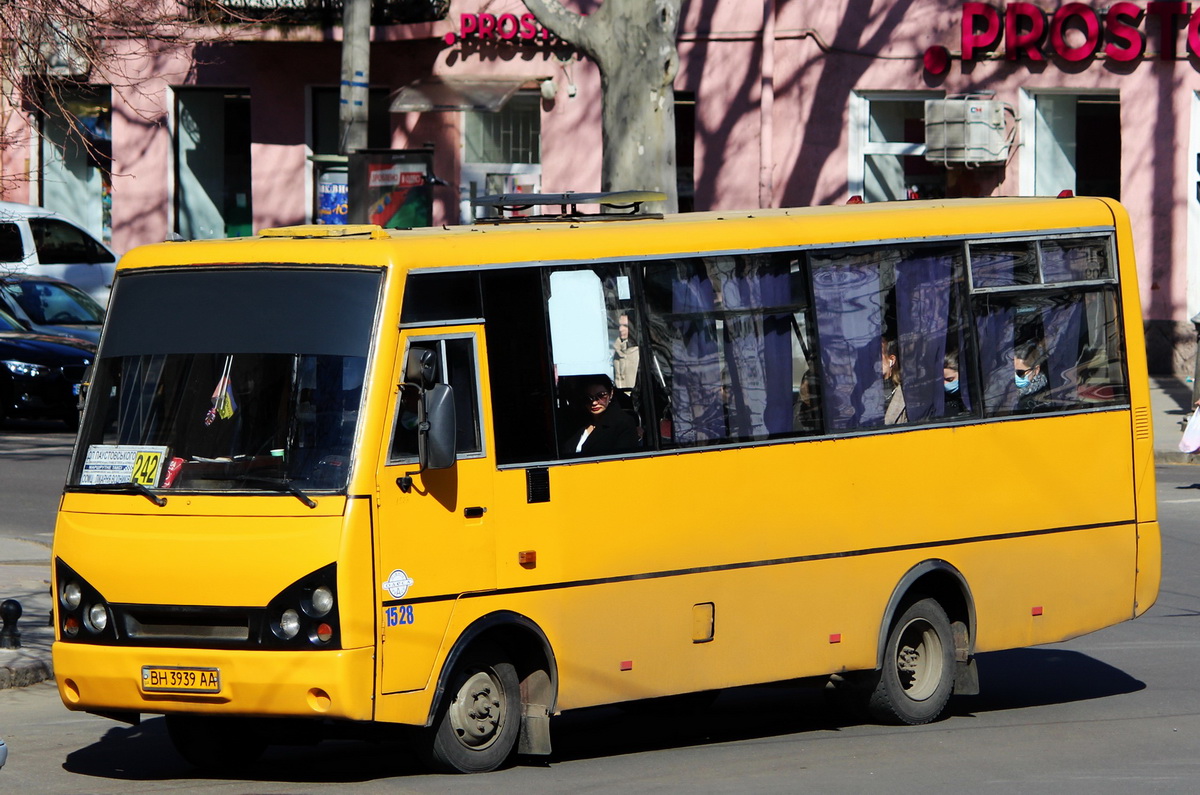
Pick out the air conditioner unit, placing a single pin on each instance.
(965, 131)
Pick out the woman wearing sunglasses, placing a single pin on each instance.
(604, 428)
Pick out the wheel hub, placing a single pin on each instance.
(476, 713)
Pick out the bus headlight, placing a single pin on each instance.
(289, 624)
(97, 618)
(305, 614)
(321, 602)
(71, 595)
(82, 612)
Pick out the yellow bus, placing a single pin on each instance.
(465, 479)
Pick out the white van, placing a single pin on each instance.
(39, 242)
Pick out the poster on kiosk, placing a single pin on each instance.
(391, 188)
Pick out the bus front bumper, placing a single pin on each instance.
(315, 684)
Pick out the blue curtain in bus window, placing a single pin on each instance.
(1074, 260)
(995, 325)
(696, 381)
(758, 346)
(850, 329)
(923, 322)
(1063, 320)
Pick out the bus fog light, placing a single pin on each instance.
(322, 601)
(289, 624)
(97, 618)
(71, 595)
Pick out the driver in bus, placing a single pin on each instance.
(603, 427)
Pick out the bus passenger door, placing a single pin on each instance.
(434, 531)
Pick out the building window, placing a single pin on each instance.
(1075, 140)
(502, 151)
(887, 148)
(76, 156)
(326, 128)
(212, 163)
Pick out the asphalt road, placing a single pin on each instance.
(1117, 711)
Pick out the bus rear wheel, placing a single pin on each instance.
(219, 744)
(479, 722)
(918, 667)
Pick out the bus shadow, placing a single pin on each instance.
(145, 753)
(1021, 678)
(1010, 680)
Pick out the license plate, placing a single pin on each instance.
(172, 679)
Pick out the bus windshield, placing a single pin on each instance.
(232, 379)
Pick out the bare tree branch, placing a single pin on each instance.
(49, 49)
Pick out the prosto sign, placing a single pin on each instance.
(505, 27)
(1115, 32)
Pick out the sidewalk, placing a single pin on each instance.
(25, 577)
(1171, 406)
(25, 565)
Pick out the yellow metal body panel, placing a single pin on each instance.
(797, 545)
(327, 684)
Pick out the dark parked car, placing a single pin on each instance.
(40, 374)
(51, 306)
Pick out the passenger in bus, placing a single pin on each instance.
(625, 355)
(894, 411)
(603, 426)
(1029, 359)
(954, 404)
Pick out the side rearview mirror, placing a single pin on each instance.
(436, 434)
(419, 367)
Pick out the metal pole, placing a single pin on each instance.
(356, 75)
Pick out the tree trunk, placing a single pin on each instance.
(633, 45)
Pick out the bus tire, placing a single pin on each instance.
(480, 718)
(917, 677)
(220, 744)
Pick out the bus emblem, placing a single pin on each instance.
(398, 584)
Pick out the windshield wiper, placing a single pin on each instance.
(125, 488)
(282, 486)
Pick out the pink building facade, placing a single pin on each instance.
(778, 103)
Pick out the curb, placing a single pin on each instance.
(25, 674)
(1172, 457)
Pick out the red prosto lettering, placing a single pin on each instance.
(1166, 13)
(487, 25)
(528, 26)
(971, 41)
(1126, 42)
(1091, 26)
(1193, 34)
(507, 26)
(468, 24)
(1014, 40)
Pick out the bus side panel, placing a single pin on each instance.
(1048, 588)
(1149, 566)
(1149, 558)
(799, 547)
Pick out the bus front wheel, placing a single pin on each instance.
(479, 722)
(918, 667)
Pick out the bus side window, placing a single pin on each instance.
(453, 364)
(724, 343)
(1053, 344)
(886, 318)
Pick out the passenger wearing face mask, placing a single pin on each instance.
(895, 411)
(954, 401)
(1029, 360)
